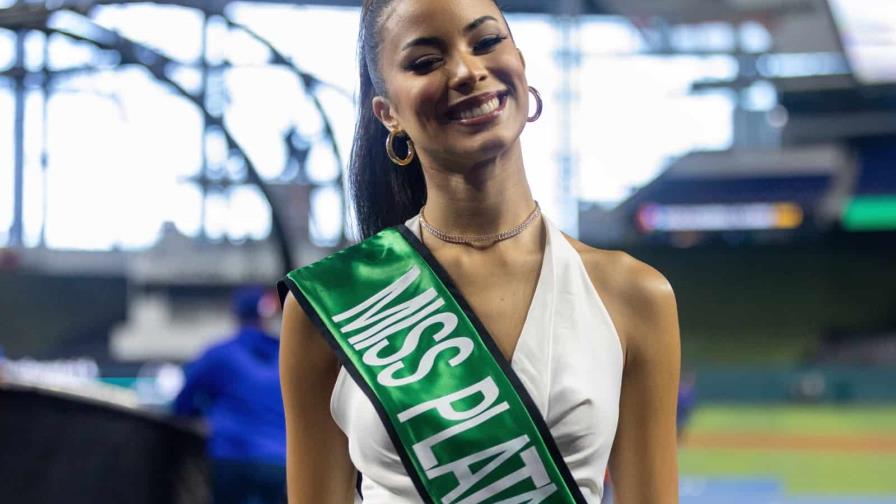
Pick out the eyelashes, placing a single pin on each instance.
(428, 63)
(424, 64)
(489, 42)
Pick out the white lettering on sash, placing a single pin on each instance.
(533, 469)
(379, 323)
(423, 449)
(402, 316)
(378, 300)
(467, 478)
(445, 404)
(464, 348)
(372, 355)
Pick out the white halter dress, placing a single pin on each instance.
(568, 357)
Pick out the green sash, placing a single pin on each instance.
(460, 419)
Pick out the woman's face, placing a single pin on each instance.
(454, 80)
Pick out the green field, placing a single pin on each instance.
(809, 449)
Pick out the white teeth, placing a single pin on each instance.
(485, 108)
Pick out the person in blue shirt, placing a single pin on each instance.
(687, 400)
(235, 386)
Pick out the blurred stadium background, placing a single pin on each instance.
(154, 156)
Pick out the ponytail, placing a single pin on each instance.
(383, 194)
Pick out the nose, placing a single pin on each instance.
(467, 71)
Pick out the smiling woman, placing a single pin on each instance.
(467, 350)
(405, 77)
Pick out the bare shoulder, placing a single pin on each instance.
(301, 344)
(623, 275)
(642, 305)
(295, 315)
(639, 298)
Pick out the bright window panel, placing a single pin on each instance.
(313, 37)
(333, 32)
(257, 117)
(217, 214)
(142, 141)
(84, 174)
(34, 50)
(636, 115)
(250, 214)
(868, 31)
(172, 30)
(184, 208)
(538, 39)
(326, 221)
(7, 48)
(7, 160)
(33, 183)
(66, 53)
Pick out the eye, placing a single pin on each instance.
(489, 42)
(424, 64)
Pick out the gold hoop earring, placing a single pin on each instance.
(390, 150)
(539, 105)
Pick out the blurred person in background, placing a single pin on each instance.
(687, 401)
(235, 386)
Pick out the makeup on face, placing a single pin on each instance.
(453, 76)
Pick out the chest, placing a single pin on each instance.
(500, 293)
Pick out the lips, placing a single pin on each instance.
(475, 108)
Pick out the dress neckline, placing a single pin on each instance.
(540, 306)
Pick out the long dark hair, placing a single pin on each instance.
(383, 194)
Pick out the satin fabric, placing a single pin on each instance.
(568, 358)
(468, 429)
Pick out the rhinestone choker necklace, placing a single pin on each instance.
(480, 240)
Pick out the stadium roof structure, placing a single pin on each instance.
(776, 194)
(24, 12)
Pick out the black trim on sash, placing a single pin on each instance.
(287, 283)
(502, 361)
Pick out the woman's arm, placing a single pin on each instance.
(643, 462)
(318, 467)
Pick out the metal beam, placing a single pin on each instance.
(508, 6)
(16, 232)
(34, 15)
(133, 52)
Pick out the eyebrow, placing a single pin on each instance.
(436, 42)
(477, 23)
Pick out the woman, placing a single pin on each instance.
(588, 338)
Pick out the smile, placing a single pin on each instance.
(479, 110)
